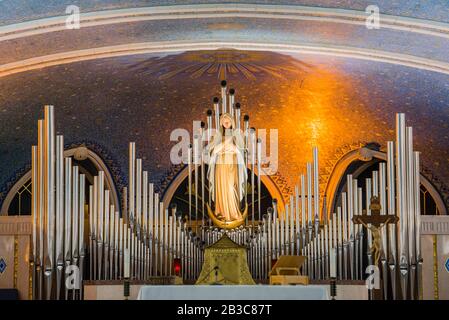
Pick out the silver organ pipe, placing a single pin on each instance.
(292, 226)
(253, 162)
(75, 217)
(383, 210)
(81, 244)
(297, 222)
(68, 217)
(401, 199)
(419, 260)
(216, 102)
(369, 236)
(224, 102)
(309, 200)
(360, 233)
(106, 234)
(49, 197)
(34, 213)
(259, 175)
(40, 196)
(94, 227)
(410, 197)
(231, 102)
(59, 213)
(316, 190)
(355, 230)
(196, 161)
(237, 116)
(145, 239)
(350, 191)
(189, 180)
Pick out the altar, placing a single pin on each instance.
(233, 292)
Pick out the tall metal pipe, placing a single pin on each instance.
(231, 101)
(411, 210)
(350, 190)
(417, 211)
(132, 179)
(253, 161)
(35, 217)
(216, 102)
(138, 190)
(81, 244)
(309, 199)
(116, 245)
(401, 199)
(189, 180)
(75, 219)
(91, 223)
(392, 260)
(303, 210)
(360, 233)
(238, 116)
(345, 235)
(106, 235)
(368, 194)
(259, 177)
(316, 191)
(384, 243)
(196, 157)
(145, 203)
(223, 97)
(59, 213)
(340, 244)
(100, 232)
(112, 238)
(49, 183)
(156, 234)
(40, 266)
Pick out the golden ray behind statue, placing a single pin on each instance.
(227, 224)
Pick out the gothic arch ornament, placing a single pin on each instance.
(78, 153)
(276, 185)
(366, 154)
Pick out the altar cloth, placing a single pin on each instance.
(233, 292)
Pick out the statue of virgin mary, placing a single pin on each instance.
(227, 171)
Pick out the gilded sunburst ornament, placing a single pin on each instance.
(223, 63)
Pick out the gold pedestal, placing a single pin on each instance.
(225, 263)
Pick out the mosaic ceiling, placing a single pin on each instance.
(323, 101)
(13, 11)
(314, 72)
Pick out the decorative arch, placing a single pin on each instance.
(367, 155)
(266, 180)
(79, 154)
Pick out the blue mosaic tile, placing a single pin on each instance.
(2, 265)
(312, 100)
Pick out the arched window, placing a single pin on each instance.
(21, 203)
(177, 193)
(361, 163)
(18, 199)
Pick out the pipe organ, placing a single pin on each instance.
(78, 233)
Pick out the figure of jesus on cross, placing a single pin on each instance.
(375, 222)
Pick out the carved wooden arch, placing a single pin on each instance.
(79, 153)
(271, 186)
(367, 155)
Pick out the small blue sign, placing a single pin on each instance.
(2, 265)
(446, 265)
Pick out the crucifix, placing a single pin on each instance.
(375, 222)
